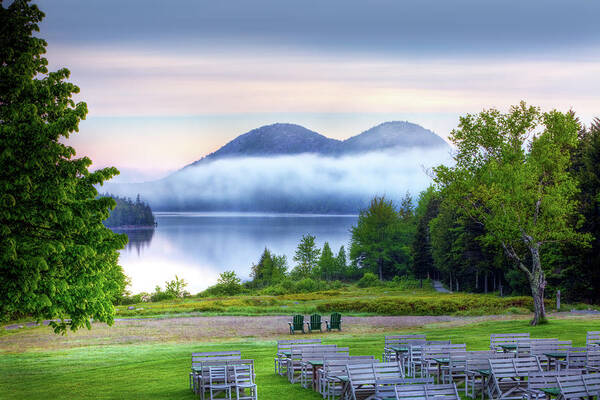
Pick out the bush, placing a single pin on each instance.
(368, 279)
(405, 283)
(308, 285)
(134, 299)
(159, 295)
(430, 305)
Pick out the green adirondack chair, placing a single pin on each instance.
(335, 322)
(297, 324)
(315, 323)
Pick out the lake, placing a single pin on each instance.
(199, 246)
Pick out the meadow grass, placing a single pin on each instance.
(160, 371)
(350, 300)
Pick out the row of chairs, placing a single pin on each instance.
(332, 372)
(315, 323)
(224, 375)
(514, 357)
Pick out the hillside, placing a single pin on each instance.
(288, 139)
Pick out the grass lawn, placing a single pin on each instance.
(159, 370)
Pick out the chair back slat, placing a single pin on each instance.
(335, 321)
(298, 322)
(593, 338)
(497, 339)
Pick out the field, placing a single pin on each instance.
(35, 364)
(350, 300)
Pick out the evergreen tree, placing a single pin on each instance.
(306, 257)
(575, 260)
(427, 209)
(58, 260)
(341, 264)
(269, 270)
(327, 263)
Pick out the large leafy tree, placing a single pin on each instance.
(57, 260)
(512, 176)
(381, 239)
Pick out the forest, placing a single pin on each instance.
(129, 213)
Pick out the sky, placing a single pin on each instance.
(167, 82)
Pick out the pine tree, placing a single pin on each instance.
(307, 256)
(327, 263)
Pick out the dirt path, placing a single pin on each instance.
(438, 286)
(197, 329)
(218, 328)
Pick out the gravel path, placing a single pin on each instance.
(437, 285)
(197, 329)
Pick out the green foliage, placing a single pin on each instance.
(382, 237)
(229, 284)
(369, 279)
(576, 260)
(342, 265)
(327, 266)
(307, 256)
(129, 213)
(433, 305)
(58, 260)
(173, 289)
(176, 286)
(427, 209)
(516, 184)
(269, 270)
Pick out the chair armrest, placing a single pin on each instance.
(290, 324)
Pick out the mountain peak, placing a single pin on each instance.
(275, 139)
(288, 139)
(393, 134)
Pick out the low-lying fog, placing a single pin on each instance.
(296, 183)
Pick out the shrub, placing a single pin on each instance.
(430, 305)
(368, 279)
(405, 283)
(308, 285)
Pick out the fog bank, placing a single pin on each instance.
(300, 183)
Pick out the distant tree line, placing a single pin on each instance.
(129, 213)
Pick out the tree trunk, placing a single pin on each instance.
(380, 269)
(485, 283)
(535, 276)
(476, 279)
(537, 281)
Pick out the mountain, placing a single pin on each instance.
(275, 139)
(288, 139)
(390, 135)
(287, 168)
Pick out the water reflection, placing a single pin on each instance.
(138, 238)
(199, 246)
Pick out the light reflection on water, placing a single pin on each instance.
(199, 246)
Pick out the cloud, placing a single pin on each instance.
(130, 81)
(292, 183)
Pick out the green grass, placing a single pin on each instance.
(159, 371)
(350, 300)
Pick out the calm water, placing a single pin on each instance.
(199, 246)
